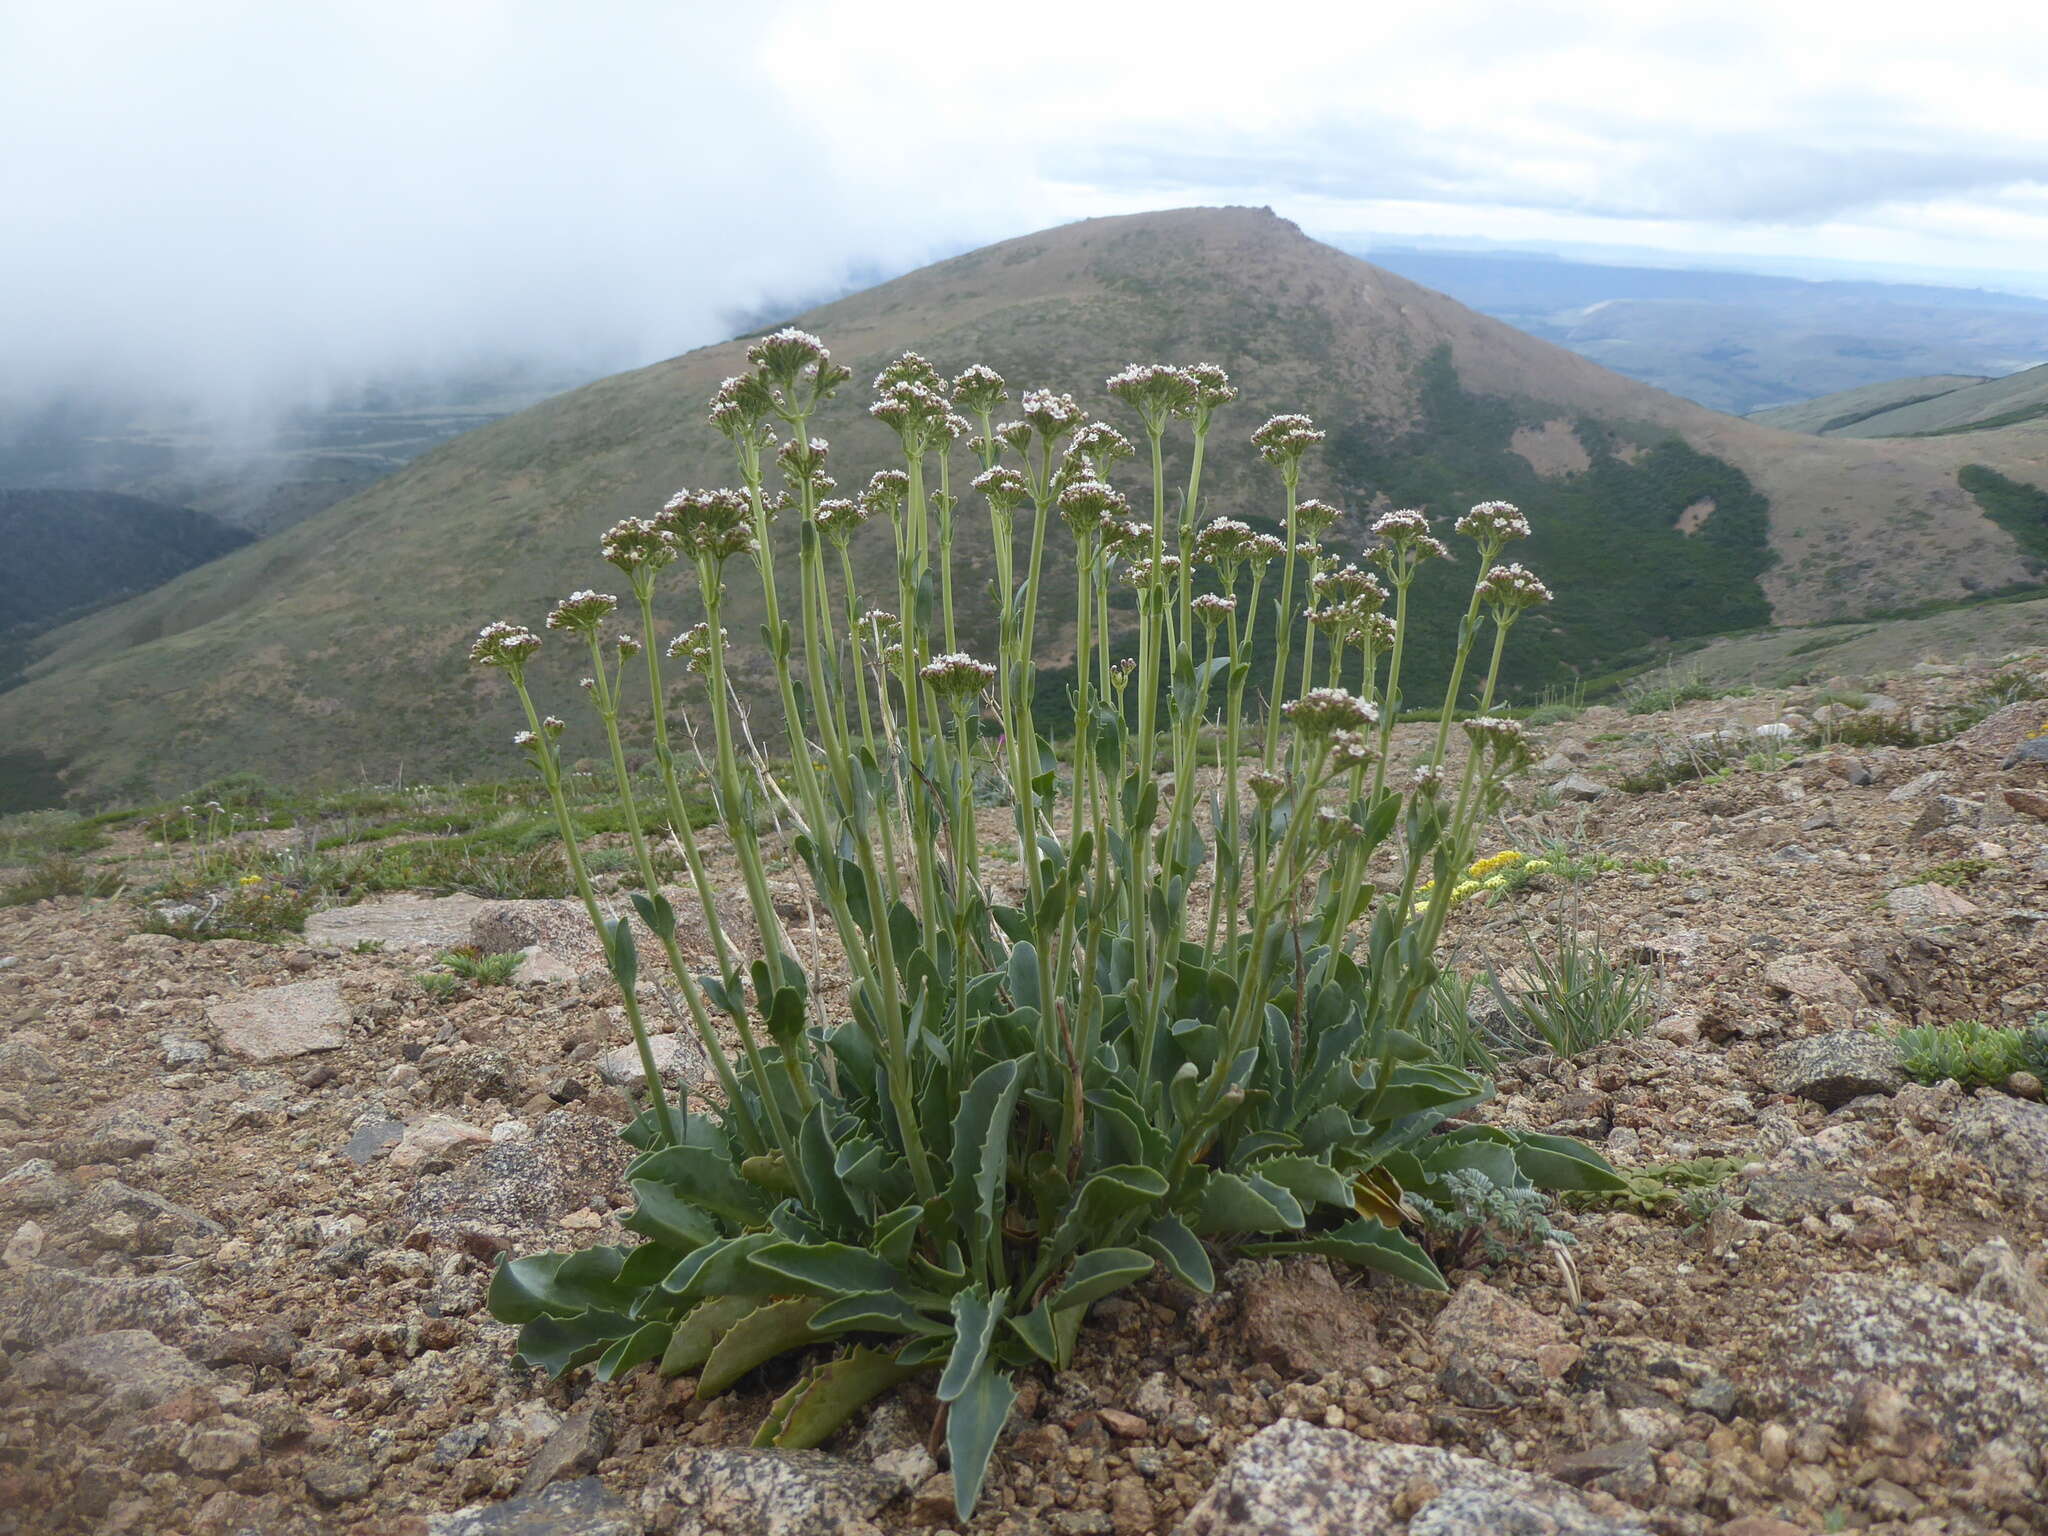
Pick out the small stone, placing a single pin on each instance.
(675, 1058)
(397, 923)
(126, 1369)
(432, 1136)
(34, 1185)
(2028, 802)
(1814, 979)
(1125, 1426)
(1295, 1317)
(542, 968)
(581, 1508)
(23, 1247)
(1623, 1466)
(220, 1447)
(1835, 1068)
(1292, 1479)
(1577, 786)
(179, 1052)
(718, 1492)
(1774, 1444)
(584, 1440)
(340, 1480)
(1928, 904)
(1994, 1273)
(278, 1023)
(1917, 786)
(2010, 1138)
(373, 1138)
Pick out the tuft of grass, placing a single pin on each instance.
(1677, 689)
(56, 875)
(1691, 1185)
(1577, 997)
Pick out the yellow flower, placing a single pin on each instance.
(1497, 883)
(251, 880)
(1537, 867)
(1493, 862)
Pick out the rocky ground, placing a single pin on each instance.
(251, 1195)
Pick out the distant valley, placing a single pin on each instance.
(1736, 341)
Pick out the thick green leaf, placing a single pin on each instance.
(703, 1327)
(1097, 1274)
(762, 1334)
(635, 1349)
(1559, 1163)
(981, 1137)
(723, 1268)
(819, 1404)
(1368, 1244)
(1234, 1203)
(976, 1419)
(827, 1269)
(1308, 1179)
(876, 1312)
(1170, 1242)
(1106, 1205)
(559, 1344)
(589, 1279)
(974, 1327)
(523, 1289)
(619, 952)
(660, 1213)
(706, 1178)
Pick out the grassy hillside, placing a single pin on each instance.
(1925, 407)
(334, 650)
(1827, 414)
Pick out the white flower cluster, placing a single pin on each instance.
(582, 612)
(1512, 588)
(1494, 522)
(1323, 710)
(1282, 440)
(957, 677)
(499, 644)
(637, 543)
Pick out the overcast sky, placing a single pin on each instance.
(259, 198)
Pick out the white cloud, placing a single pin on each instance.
(260, 199)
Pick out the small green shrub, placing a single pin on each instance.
(471, 964)
(439, 985)
(2033, 1048)
(1953, 872)
(254, 908)
(1973, 1054)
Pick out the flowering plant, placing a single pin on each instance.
(1181, 1032)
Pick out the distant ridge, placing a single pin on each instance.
(334, 649)
(1925, 407)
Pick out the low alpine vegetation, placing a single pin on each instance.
(1172, 1022)
(1971, 1053)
